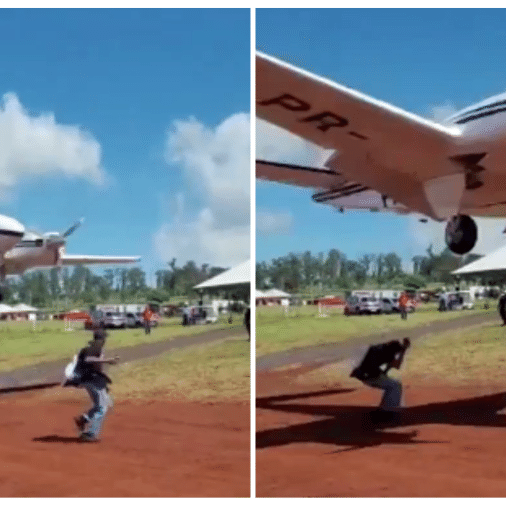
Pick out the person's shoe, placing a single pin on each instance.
(80, 422)
(88, 437)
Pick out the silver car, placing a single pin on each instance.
(362, 305)
(115, 320)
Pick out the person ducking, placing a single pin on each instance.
(373, 372)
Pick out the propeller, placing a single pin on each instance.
(57, 238)
(73, 228)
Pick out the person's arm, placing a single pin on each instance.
(102, 360)
(399, 357)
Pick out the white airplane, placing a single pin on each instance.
(385, 158)
(22, 250)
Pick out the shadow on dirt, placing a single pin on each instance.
(351, 425)
(54, 438)
(28, 388)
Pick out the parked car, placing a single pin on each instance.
(456, 300)
(388, 306)
(133, 320)
(362, 305)
(114, 320)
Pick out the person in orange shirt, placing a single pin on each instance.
(147, 316)
(403, 305)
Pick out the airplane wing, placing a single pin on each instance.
(335, 189)
(393, 153)
(96, 259)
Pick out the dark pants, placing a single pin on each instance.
(404, 312)
(147, 327)
(502, 308)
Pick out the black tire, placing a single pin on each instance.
(461, 234)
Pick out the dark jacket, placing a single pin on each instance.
(89, 371)
(377, 360)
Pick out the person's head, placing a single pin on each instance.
(99, 336)
(406, 342)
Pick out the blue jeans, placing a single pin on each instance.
(97, 390)
(392, 396)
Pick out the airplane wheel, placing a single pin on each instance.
(461, 234)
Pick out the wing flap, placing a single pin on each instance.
(311, 177)
(96, 259)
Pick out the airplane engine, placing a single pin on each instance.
(461, 234)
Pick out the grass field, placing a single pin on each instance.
(277, 332)
(475, 356)
(22, 343)
(211, 372)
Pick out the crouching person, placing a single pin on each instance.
(86, 372)
(373, 372)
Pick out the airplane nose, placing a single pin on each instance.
(10, 226)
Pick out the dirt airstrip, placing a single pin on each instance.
(316, 440)
(156, 447)
(148, 449)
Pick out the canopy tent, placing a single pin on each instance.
(490, 265)
(273, 293)
(239, 275)
(22, 308)
(234, 281)
(272, 296)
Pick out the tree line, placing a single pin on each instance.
(303, 272)
(67, 286)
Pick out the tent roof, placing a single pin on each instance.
(5, 308)
(495, 261)
(238, 275)
(274, 292)
(271, 293)
(23, 307)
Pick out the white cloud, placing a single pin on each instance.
(273, 223)
(38, 146)
(212, 221)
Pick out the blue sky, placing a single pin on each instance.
(130, 81)
(426, 61)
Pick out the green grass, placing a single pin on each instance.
(475, 356)
(276, 332)
(22, 343)
(212, 372)
(470, 356)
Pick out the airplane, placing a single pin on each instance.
(384, 158)
(22, 250)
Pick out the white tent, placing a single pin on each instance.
(274, 292)
(494, 262)
(4, 308)
(23, 308)
(239, 275)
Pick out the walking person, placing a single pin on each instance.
(403, 305)
(147, 315)
(502, 308)
(247, 317)
(88, 374)
(373, 372)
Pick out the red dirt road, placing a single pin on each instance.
(154, 448)
(313, 441)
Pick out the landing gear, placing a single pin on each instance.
(461, 234)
